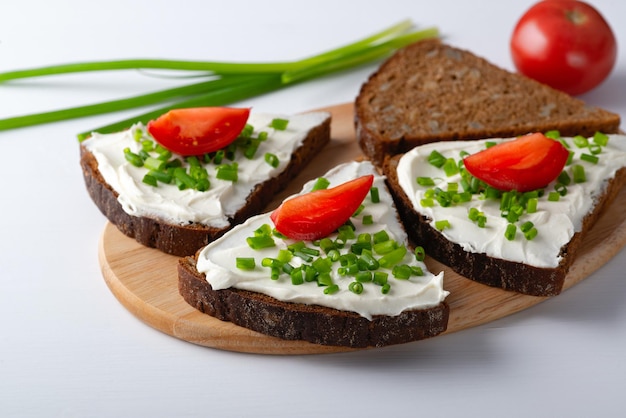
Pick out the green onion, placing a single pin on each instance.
(420, 254)
(245, 263)
(385, 288)
(279, 124)
(531, 205)
(271, 159)
(564, 178)
(425, 181)
(442, 224)
(554, 196)
(578, 172)
(450, 167)
(380, 278)
(593, 159)
(320, 184)
(580, 141)
(374, 195)
(260, 242)
(553, 134)
(150, 180)
(401, 271)
(356, 288)
(436, 159)
(224, 82)
(601, 139)
(530, 234)
(393, 257)
(510, 231)
(368, 220)
(560, 189)
(133, 158)
(227, 172)
(332, 289)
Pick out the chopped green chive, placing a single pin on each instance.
(133, 158)
(279, 124)
(425, 181)
(510, 231)
(245, 263)
(320, 184)
(374, 195)
(601, 139)
(420, 254)
(450, 167)
(356, 287)
(228, 172)
(578, 172)
(554, 196)
(442, 224)
(564, 178)
(368, 220)
(260, 242)
(436, 159)
(580, 141)
(590, 158)
(553, 134)
(331, 290)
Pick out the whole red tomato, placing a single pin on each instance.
(566, 44)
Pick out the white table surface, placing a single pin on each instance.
(68, 348)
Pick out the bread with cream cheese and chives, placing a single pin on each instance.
(179, 222)
(528, 264)
(411, 309)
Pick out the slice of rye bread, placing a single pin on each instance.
(430, 91)
(496, 272)
(182, 240)
(312, 323)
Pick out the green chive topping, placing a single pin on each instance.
(279, 124)
(374, 195)
(510, 231)
(320, 184)
(578, 172)
(245, 263)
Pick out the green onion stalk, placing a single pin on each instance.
(216, 83)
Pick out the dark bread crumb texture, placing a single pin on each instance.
(312, 323)
(495, 272)
(430, 91)
(182, 240)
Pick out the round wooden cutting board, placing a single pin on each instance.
(145, 280)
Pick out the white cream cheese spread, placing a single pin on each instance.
(555, 221)
(224, 198)
(218, 261)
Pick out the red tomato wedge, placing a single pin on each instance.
(319, 213)
(527, 163)
(196, 131)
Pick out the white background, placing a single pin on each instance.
(68, 348)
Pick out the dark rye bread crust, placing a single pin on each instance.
(495, 272)
(430, 92)
(182, 240)
(312, 323)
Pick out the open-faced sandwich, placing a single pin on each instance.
(509, 213)
(192, 174)
(331, 266)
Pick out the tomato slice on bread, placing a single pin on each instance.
(524, 164)
(319, 213)
(200, 130)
